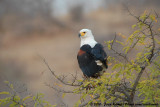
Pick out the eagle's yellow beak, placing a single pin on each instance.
(82, 33)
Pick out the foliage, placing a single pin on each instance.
(13, 99)
(131, 80)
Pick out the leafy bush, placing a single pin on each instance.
(13, 99)
(132, 80)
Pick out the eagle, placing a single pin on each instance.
(92, 58)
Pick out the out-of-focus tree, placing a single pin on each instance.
(23, 17)
(28, 8)
(77, 13)
(135, 3)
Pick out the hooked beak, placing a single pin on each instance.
(79, 35)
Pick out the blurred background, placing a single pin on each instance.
(49, 28)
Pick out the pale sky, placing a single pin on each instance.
(61, 7)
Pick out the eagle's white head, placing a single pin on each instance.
(87, 38)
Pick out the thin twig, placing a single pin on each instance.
(58, 78)
(57, 89)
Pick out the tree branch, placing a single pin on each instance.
(58, 78)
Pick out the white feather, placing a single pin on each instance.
(88, 41)
(99, 62)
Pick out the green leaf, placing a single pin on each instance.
(14, 104)
(133, 26)
(4, 92)
(116, 66)
(86, 84)
(16, 98)
(126, 49)
(153, 18)
(63, 95)
(157, 41)
(117, 75)
(27, 97)
(120, 42)
(11, 86)
(7, 82)
(35, 104)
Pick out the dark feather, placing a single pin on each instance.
(87, 56)
(100, 54)
(87, 62)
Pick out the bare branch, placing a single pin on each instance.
(118, 53)
(58, 78)
(58, 89)
(74, 77)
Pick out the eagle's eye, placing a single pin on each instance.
(82, 33)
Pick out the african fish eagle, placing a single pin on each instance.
(91, 57)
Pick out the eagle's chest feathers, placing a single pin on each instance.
(88, 41)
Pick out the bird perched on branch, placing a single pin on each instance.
(91, 57)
